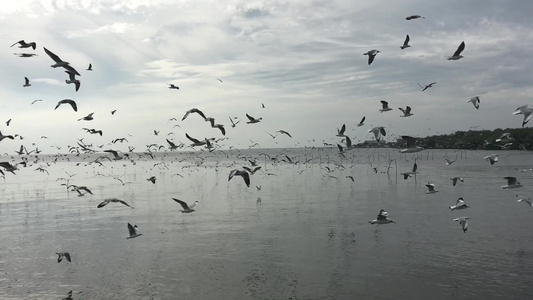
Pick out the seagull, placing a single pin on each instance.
(72, 79)
(2, 137)
(385, 106)
(26, 82)
(340, 132)
(241, 173)
(61, 255)
(382, 218)
(505, 138)
(371, 54)
(284, 132)
(454, 180)
(67, 101)
(195, 141)
(448, 161)
(151, 179)
(59, 62)
(491, 158)
(526, 111)
(90, 67)
(405, 43)
(411, 145)
(194, 110)
(362, 122)
(350, 177)
(114, 200)
(406, 111)
(511, 183)
(408, 174)
(8, 122)
(252, 119)
(25, 54)
(457, 55)
(23, 44)
(172, 145)
(413, 17)
(134, 231)
(431, 188)
(526, 200)
(475, 100)
(459, 205)
(233, 124)
(378, 132)
(36, 101)
(349, 145)
(115, 154)
(172, 86)
(88, 117)
(427, 86)
(464, 223)
(186, 207)
(219, 80)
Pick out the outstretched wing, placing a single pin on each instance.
(460, 49)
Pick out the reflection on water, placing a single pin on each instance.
(303, 235)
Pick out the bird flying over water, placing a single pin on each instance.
(526, 111)
(61, 255)
(382, 218)
(245, 176)
(512, 183)
(464, 222)
(133, 231)
(284, 132)
(186, 207)
(112, 200)
(431, 188)
(460, 204)
(411, 145)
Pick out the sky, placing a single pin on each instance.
(302, 59)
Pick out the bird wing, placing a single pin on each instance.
(384, 103)
(26, 80)
(510, 180)
(348, 142)
(431, 187)
(67, 256)
(19, 42)
(185, 116)
(410, 141)
(340, 148)
(182, 203)
(196, 110)
(371, 58)
(192, 139)
(131, 229)
(362, 120)
(221, 127)
(408, 109)
(460, 49)
(246, 177)
(250, 117)
(406, 42)
(103, 203)
(415, 166)
(382, 131)
(171, 143)
(343, 128)
(52, 55)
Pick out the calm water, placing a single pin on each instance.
(304, 235)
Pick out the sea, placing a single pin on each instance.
(300, 230)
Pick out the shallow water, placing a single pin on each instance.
(304, 235)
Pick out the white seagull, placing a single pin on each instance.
(405, 43)
(526, 111)
(371, 54)
(457, 55)
(241, 173)
(505, 138)
(134, 231)
(455, 179)
(511, 183)
(459, 205)
(186, 207)
(475, 100)
(431, 188)
(409, 174)
(384, 106)
(378, 132)
(340, 132)
(411, 145)
(464, 223)
(114, 200)
(406, 112)
(526, 200)
(491, 158)
(382, 218)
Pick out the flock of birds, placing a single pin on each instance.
(211, 143)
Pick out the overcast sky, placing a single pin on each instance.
(303, 59)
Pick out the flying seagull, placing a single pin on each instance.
(340, 132)
(90, 67)
(475, 100)
(194, 110)
(25, 54)
(409, 174)
(61, 255)
(194, 141)
(134, 231)
(448, 161)
(431, 188)
(60, 63)
(253, 120)
(378, 132)
(23, 44)
(457, 55)
(362, 122)
(384, 106)
(67, 101)
(284, 132)
(491, 158)
(26, 82)
(526, 111)
(511, 183)
(186, 207)
(72, 79)
(2, 137)
(460, 204)
(88, 117)
(526, 200)
(406, 43)
(413, 17)
(115, 154)
(427, 86)
(411, 145)
(241, 173)
(371, 54)
(172, 86)
(406, 112)
(455, 179)
(114, 200)
(464, 222)
(382, 218)
(233, 124)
